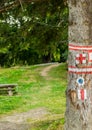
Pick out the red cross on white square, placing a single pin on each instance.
(80, 58)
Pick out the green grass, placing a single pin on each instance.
(48, 125)
(34, 91)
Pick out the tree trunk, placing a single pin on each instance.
(78, 114)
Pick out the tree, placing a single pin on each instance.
(79, 92)
(34, 32)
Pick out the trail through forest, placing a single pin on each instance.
(19, 121)
(44, 72)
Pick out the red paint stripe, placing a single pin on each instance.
(81, 67)
(82, 94)
(81, 46)
(80, 72)
(77, 49)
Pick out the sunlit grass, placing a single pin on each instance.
(34, 91)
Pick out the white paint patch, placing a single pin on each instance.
(90, 56)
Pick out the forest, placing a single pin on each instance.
(33, 32)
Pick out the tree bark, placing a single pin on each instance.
(78, 114)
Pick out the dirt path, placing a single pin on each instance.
(19, 121)
(44, 72)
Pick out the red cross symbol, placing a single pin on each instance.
(80, 58)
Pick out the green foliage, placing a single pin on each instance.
(35, 34)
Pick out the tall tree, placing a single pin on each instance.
(79, 92)
(33, 33)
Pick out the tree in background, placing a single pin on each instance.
(79, 91)
(33, 32)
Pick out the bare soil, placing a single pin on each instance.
(19, 121)
(44, 72)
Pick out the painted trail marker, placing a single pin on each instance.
(82, 94)
(80, 58)
(79, 47)
(80, 81)
(83, 70)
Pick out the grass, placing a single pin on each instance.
(34, 91)
(48, 125)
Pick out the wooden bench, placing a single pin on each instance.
(9, 89)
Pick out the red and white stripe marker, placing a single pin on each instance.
(79, 47)
(83, 70)
(82, 94)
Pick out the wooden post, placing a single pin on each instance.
(78, 114)
(10, 92)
